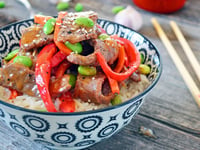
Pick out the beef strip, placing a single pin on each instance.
(135, 76)
(59, 85)
(109, 51)
(74, 33)
(20, 78)
(34, 37)
(89, 89)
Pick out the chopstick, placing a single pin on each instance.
(177, 61)
(188, 51)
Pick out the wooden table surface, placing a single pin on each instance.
(169, 110)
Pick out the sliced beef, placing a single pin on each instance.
(89, 89)
(109, 51)
(20, 78)
(59, 85)
(74, 33)
(135, 76)
(34, 37)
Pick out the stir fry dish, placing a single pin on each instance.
(69, 61)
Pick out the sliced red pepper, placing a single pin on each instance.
(57, 58)
(120, 63)
(14, 93)
(42, 75)
(121, 59)
(67, 103)
(116, 37)
(59, 85)
(60, 45)
(41, 19)
(62, 68)
(126, 60)
(113, 85)
(133, 57)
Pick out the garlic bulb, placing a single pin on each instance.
(130, 18)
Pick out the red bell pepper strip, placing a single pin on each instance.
(62, 68)
(67, 103)
(42, 75)
(41, 19)
(60, 45)
(117, 38)
(57, 58)
(120, 62)
(14, 93)
(113, 85)
(125, 60)
(133, 57)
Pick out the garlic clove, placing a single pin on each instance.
(130, 18)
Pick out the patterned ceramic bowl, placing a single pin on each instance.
(81, 129)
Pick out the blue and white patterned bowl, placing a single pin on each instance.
(81, 129)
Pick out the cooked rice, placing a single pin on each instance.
(128, 90)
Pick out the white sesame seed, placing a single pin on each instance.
(25, 45)
(78, 30)
(10, 84)
(61, 89)
(58, 24)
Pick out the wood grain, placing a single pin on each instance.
(169, 110)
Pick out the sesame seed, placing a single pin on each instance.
(61, 89)
(25, 45)
(78, 30)
(10, 84)
(73, 29)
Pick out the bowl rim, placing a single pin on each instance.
(147, 90)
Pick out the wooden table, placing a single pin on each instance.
(169, 110)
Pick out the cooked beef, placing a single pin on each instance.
(59, 85)
(89, 89)
(109, 51)
(20, 78)
(34, 37)
(74, 33)
(136, 76)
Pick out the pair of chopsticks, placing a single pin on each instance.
(177, 61)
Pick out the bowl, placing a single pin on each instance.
(77, 130)
(160, 6)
